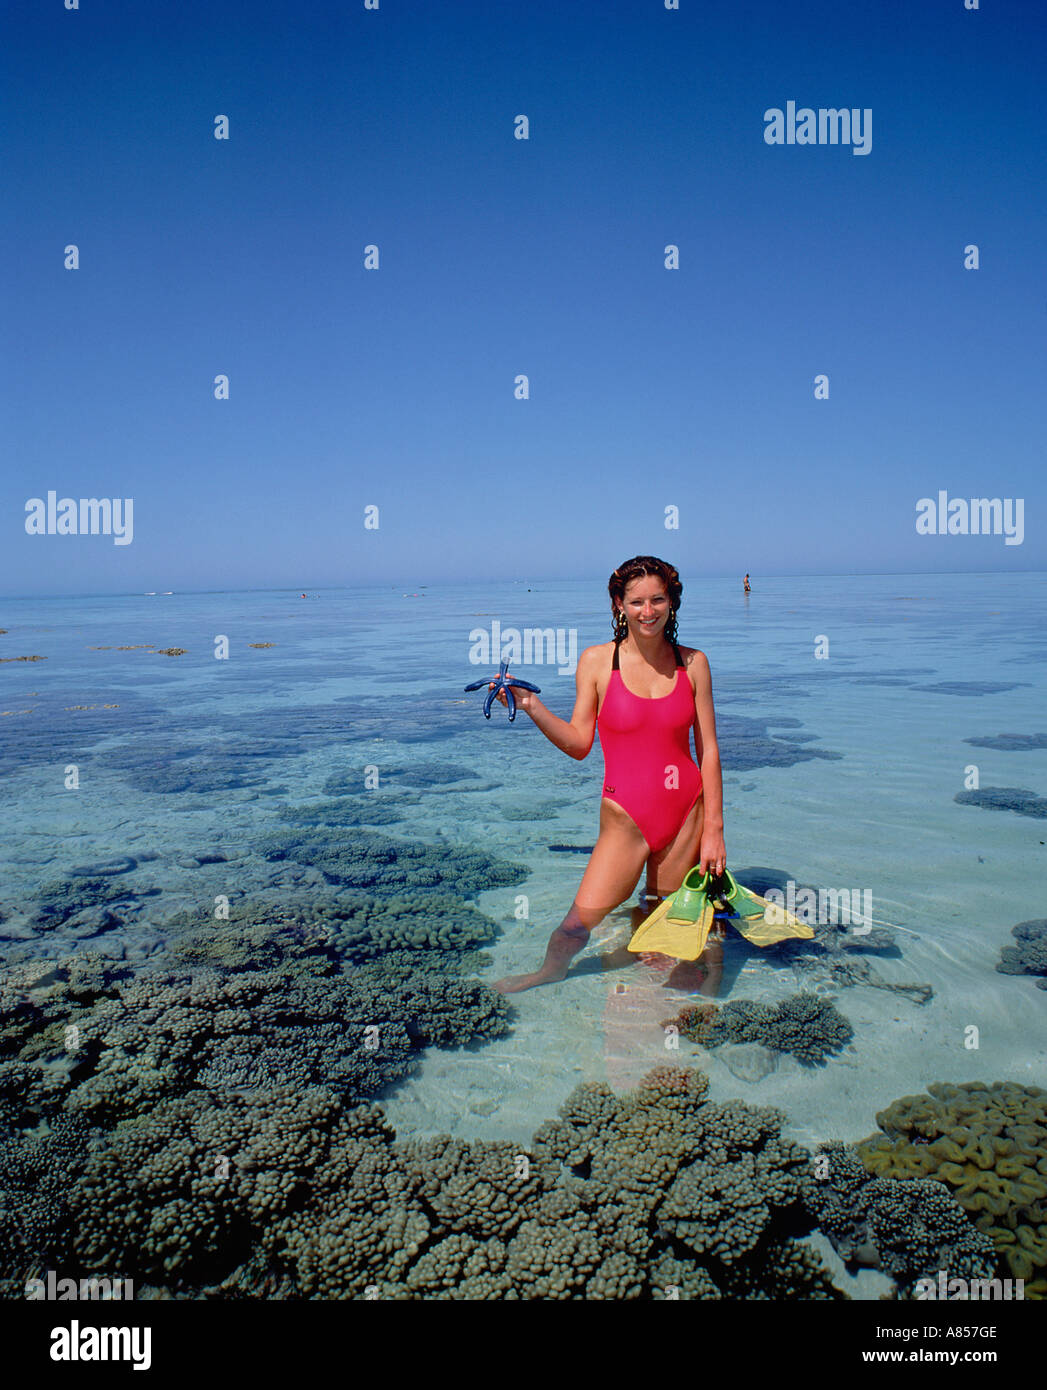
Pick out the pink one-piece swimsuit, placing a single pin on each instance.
(646, 742)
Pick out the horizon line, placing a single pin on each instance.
(461, 583)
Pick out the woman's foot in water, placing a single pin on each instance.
(654, 960)
(514, 984)
(689, 976)
(570, 937)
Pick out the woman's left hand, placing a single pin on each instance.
(712, 855)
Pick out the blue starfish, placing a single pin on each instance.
(501, 683)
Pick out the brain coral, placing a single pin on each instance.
(988, 1145)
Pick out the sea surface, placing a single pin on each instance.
(846, 710)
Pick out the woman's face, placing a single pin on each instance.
(646, 605)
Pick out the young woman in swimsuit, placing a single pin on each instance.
(659, 807)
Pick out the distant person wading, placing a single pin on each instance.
(661, 807)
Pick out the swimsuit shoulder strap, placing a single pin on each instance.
(679, 658)
(614, 663)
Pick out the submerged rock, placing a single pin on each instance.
(748, 1061)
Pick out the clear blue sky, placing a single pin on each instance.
(649, 387)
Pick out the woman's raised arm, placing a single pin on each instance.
(575, 737)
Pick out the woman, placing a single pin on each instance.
(645, 694)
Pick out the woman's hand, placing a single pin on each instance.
(525, 699)
(712, 853)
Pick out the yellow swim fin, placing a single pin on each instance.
(680, 925)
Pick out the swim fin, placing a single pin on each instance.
(759, 920)
(679, 926)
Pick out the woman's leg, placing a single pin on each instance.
(667, 869)
(610, 877)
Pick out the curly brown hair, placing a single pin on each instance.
(637, 568)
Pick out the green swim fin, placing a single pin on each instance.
(740, 901)
(680, 925)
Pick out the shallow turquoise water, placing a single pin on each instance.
(841, 772)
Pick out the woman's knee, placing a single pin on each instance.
(584, 916)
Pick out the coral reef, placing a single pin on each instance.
(365, 808)
(988, 1145)
(849, 970)
(420, 775)
(350, 926)
(163, 1033)
(704, 1191)
(578, 1217)
(388, 867)
(1029, 957)
(43, 994)
(83, 901)
(533, 811)
(970, 687)
(1011, 743)
(105, 868)
(807, 1025)
(1017, 799)
(38, 1172)
(835, 944)
(182, 1191)
(289, 1191)
(747, 743)
(839, 947)
(909, 1229)
(294, 1190)
(216, 772)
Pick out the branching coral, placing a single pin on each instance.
(353, 926)
(390, 867)
(37, 1173)
(178, 1192)
(807, 1025)
(167, 1032)
(910, 1230)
